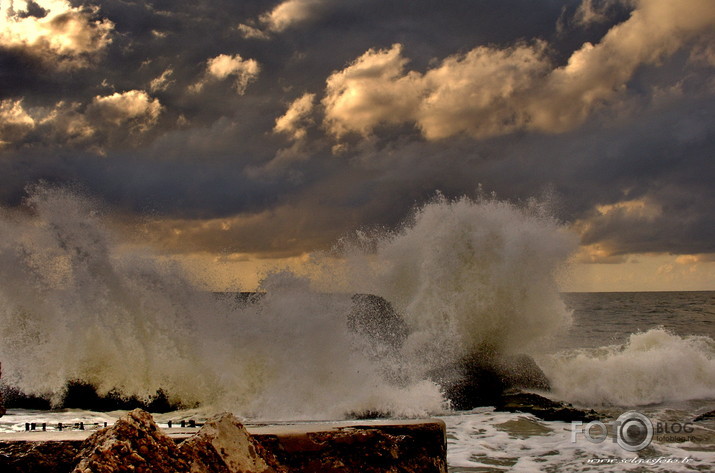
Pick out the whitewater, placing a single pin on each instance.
(78, 303)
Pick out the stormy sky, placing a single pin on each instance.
(268, 129)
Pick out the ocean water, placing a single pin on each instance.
(80, 302)
(649, 352)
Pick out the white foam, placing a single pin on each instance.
(652, 367)
(494, 441)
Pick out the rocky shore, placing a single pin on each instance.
(223, 445)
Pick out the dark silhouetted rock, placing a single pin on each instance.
(15, 399)
(544, 408)
(483, 377)
(374, 318)
(133, 444)
(703, 417)
(223, 445)
(81, 395)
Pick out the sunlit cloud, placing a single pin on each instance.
(134, 107)
(491, 91)
(289, 13)
(251, 32)
(162, 82)
(15, 122)
(54, 30)
(223, 66)
(294, 122)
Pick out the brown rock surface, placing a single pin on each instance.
(38, 457)
(406, 448)
(133, 444)
(223, 445)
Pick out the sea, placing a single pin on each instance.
(80, 301)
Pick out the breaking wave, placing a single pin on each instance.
(650, 368)
(78, 303)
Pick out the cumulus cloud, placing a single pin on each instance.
(54, 30)
(289, 13)
(76, 124)
(492, 91)
(15, 122)
(374, 89)
(294, 122)
(223, 66)
(134, 107)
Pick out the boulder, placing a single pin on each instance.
(223, 445)
(483, 377)
(133, 444)
(545, 408)
(374, 318)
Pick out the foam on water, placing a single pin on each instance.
(651, 367)
(484, 440)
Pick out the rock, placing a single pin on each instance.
(14, 399)
(82, 395)
(223, 445)
(544, 408)
(38, 457)
(706, 416)
(483, 377)
(522, 372)
(374, 318)
(133, 444)
(418, 447)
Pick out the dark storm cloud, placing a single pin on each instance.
(169, 109)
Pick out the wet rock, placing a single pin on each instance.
(38, 457)
(133, 444)
(398, 448)
(14, 399)
(483, 377)
(544, 408)
(223, 445)
(374, 318)
(522, 372)
(704, 417)
(82, 395)
(136, 445)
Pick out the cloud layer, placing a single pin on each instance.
(272, 129)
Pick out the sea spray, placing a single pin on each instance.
(651, 367)
(76, 303)
(466, 274)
